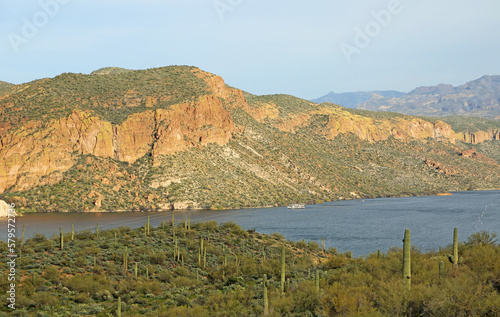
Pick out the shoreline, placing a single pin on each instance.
(444, 193)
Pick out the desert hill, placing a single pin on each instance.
(178, 137)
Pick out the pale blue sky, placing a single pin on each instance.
(264, 47)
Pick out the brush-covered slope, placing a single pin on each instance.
(178, 137)
(5, 87)
(210, 270)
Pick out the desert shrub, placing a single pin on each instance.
(52, 274)
(164, 276)
(88, 283)
(482, 237)
(182, 281)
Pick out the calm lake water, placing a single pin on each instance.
(361, 226)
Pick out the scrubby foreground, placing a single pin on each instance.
(210, 270)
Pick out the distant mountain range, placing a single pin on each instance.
(352, 99)
(480, 98)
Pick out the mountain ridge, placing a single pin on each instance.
(352, 99)
(479, 97)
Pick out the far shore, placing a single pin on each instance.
(22, 211)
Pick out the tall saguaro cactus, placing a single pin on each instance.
(61, 238)
(407, 259)
(454, 257)
(119, 309)
(316, 281)
(283, 270)
(125, 261)
(266, 301)
(148, 225)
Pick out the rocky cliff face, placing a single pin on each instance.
(38, 154)
(371, 130)
(340, 121)
(478, 136)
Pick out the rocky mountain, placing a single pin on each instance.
(352, 99)
(178, 137)
(480, 98)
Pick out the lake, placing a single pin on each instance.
(361, 226)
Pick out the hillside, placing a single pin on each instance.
(479, 98)
(179, 138)
(352, 99)
(207, 269)
(5, 87)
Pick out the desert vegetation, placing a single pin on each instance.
(206, 269)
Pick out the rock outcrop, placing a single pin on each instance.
(478, 136)
(4, 209)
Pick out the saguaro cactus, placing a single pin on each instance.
(454, 257)
(266, 301)
(72, 232)
(283, 270)
(125, 261)
(148, 225)
(61, 238)
(441, 269)
(407, 259)
(119, 310)
(97, 231)
(204, 257)
(316, 281)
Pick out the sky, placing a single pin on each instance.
(303, 48)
